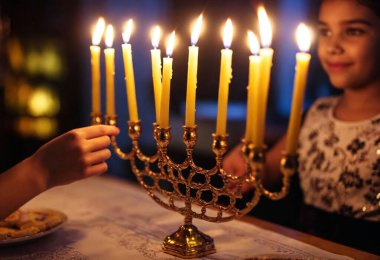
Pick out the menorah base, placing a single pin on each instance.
(188, 242)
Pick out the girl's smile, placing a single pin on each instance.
(338, 67)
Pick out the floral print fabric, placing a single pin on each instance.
(340, 162)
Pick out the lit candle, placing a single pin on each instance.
(156, 69)
(302, 64)
(166, 79)
(267, 55)
(129, 75)
(224, 79)
(109, 53)
(253, 97)
(95, 65)
(192, 74)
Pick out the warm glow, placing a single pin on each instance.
(227, 34)
(43, 102)
(127, 31)
(253, 42)
(156, 36)
(170, 44)
(303, 36)
(109, 36)
(265, 27)
(196, 30)
(98, 32)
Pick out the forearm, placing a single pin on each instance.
(18, 185)
(272, 177)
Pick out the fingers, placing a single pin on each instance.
(98, 157)
(235, 166)
(96, 169)
(94, 131)
(240, 168)
(97, 143)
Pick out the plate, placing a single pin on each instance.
(13, 240)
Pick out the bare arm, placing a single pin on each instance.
(75, 155)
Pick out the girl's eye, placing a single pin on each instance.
(354, 31)
(324, 32)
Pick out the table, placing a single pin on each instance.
(110, 218)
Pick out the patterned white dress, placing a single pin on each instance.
(340, 162)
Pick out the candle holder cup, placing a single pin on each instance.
(212, 195)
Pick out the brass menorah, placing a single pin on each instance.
(179, 186)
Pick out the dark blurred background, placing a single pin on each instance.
(45, 73)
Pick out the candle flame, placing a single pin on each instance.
(265, 27)
(196, 30)
(98, 32)
(156, 36)
(253, 42)
(227, 34)
(127, 31)
(170, 44)
(109, 36)
(303, 36)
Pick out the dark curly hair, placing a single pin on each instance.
(374, 5)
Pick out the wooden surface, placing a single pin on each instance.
(312, 240)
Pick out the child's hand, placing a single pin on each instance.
(74, 155)
(234, 164)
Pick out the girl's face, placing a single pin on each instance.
(349, 43)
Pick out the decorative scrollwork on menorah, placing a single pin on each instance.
(208, 194)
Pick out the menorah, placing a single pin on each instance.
(188, 184)
(213, 195)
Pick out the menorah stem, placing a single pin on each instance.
(188, 219)
(188, 216)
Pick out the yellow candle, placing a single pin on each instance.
(110, 72)
(156, 70)
(267, 56)
(192, 74)
(302, 65)
(166, 80)
(224, 80)
(95, 65)
(129, 75)
(253, 97)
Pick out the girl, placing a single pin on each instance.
(339, 143)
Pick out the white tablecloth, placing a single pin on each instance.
(112, 219)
